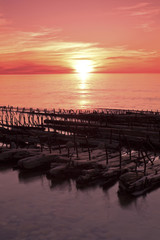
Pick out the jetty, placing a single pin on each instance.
(99, 146)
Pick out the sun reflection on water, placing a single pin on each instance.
(83, 103)
(83, 69)
(83, 86)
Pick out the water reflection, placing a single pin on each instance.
(6, 167)
(83, 89)
(127, 91)
(82, 86)
(83, 103)
(125, 200)
(107, 186)
(39, 176)
(55, 209)
(29, 177)
(60, 184)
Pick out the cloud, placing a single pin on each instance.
(43, 40)
(146, 27)
(143, 9)
(44, 51)
(145, 12)
(41, 48)
(32, 68)
(139, 62)
(136, 6)
(121, 59)
(124, 52)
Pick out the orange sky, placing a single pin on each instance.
(46, 36)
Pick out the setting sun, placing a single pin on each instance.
(83, 67)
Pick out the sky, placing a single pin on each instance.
(55, 36)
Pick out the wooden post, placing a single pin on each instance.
(2, 117)
(120, 157)
(120, 150)
(42, 121)
(106, 154)
(41, 143)
(130, 154)
(77, 150)
(128, 147)
(29, 122)
(20, 118)
(111, 136)
(38, 119)
(70, 161)
(16, 141)
(49, 144)
(144, 160)
(32, 120)
(89, 153)
(24, 120)
(59, 148)
(11, 120)
(7, 121)
(68, 151)
(74, 139)
(136, 162)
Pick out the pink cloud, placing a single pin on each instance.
(33, 68)
(136, 6)
(146, 27)
(142, 9)
(146, 12)
(143, 12)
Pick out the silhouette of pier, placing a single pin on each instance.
(86, 138)
(129, 126)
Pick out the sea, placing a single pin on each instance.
(33, 207)
(73, 91)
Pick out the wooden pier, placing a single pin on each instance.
(104, 123)
(75, 137)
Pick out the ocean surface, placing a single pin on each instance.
(33, 207)
(72, 91)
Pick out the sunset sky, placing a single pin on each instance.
(55, 36)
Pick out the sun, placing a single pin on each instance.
(83, 68)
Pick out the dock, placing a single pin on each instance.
(95, 147)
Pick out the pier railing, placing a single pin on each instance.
(15, 116)
(104, 124)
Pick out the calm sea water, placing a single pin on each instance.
(69, 91)
(34, 208)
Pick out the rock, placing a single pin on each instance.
(91, 177)
(35, 161)
(15, 155)
(138, 184)
(57, 171)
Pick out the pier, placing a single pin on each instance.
(96, 146)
